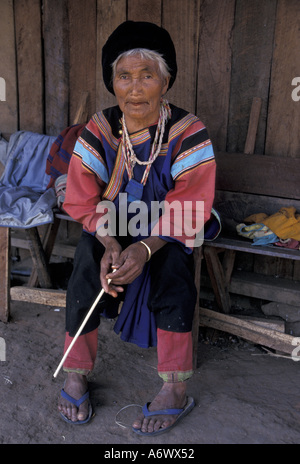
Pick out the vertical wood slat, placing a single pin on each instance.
(4, 273)
(181, 19)
(252, 55)
(210, 27)
(214, 68)
(40, 262)
(198, 256)
(252, 47)
(284, 113)
(143, 10)
(9, 107)
(83, 54)
(253, 125)
(109, 15)
(30, 66)
(56, 65)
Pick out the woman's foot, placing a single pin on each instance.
(76, 386)
(171, 396)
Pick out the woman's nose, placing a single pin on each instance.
(136, 85)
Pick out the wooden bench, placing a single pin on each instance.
(248, 184)
(245, 184)
(40, 288)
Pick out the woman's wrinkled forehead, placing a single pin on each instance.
(147, 59)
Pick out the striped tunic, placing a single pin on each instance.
(184, 171)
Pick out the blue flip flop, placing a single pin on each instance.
(181, 413)
(77, 403)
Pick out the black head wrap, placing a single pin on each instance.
(139, 34)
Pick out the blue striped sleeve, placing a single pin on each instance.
(192, 158)
(91, 159)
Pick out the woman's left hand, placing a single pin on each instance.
(131, 264)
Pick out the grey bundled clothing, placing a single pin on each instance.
(24, 199)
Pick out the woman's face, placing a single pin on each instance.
(138, 87)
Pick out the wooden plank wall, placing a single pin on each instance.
(229, 51)
(8, 71)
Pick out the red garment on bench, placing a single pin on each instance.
(61, 151)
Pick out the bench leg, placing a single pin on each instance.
(198, 255)
(4, 273)
(218, 278)
(227, 264)
(47, 243)
(38, 257)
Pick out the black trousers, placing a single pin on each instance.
(172, 295)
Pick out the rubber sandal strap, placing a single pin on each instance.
(148, 413)
(72, 400)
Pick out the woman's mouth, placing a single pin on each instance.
(136, 103)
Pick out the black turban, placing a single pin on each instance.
(130, 35)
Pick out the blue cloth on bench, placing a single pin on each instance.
(24, 199)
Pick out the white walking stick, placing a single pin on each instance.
(80, 329)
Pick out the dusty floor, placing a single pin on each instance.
(243, 395)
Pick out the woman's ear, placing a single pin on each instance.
(166, 85)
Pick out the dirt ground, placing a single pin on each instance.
(243, 394)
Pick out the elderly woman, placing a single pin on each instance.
(150, 152)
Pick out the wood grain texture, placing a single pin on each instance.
(143, 10)
(258, 174)
(83, 54)
(4, 273)
(247, 330)
(251, 63)
(56, 51)
(284, 113)
(39, 296)
(30, 65)
(8, 72)
(110, 13)
(214, 67)
(182, 21)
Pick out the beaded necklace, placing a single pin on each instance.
(134, 188)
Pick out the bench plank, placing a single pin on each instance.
(247, 247)
(267, 288)
(234, 207)
(258, 174)
(39, 296)
(248, 330)
(246, 185)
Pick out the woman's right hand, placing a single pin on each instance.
(109, 262)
